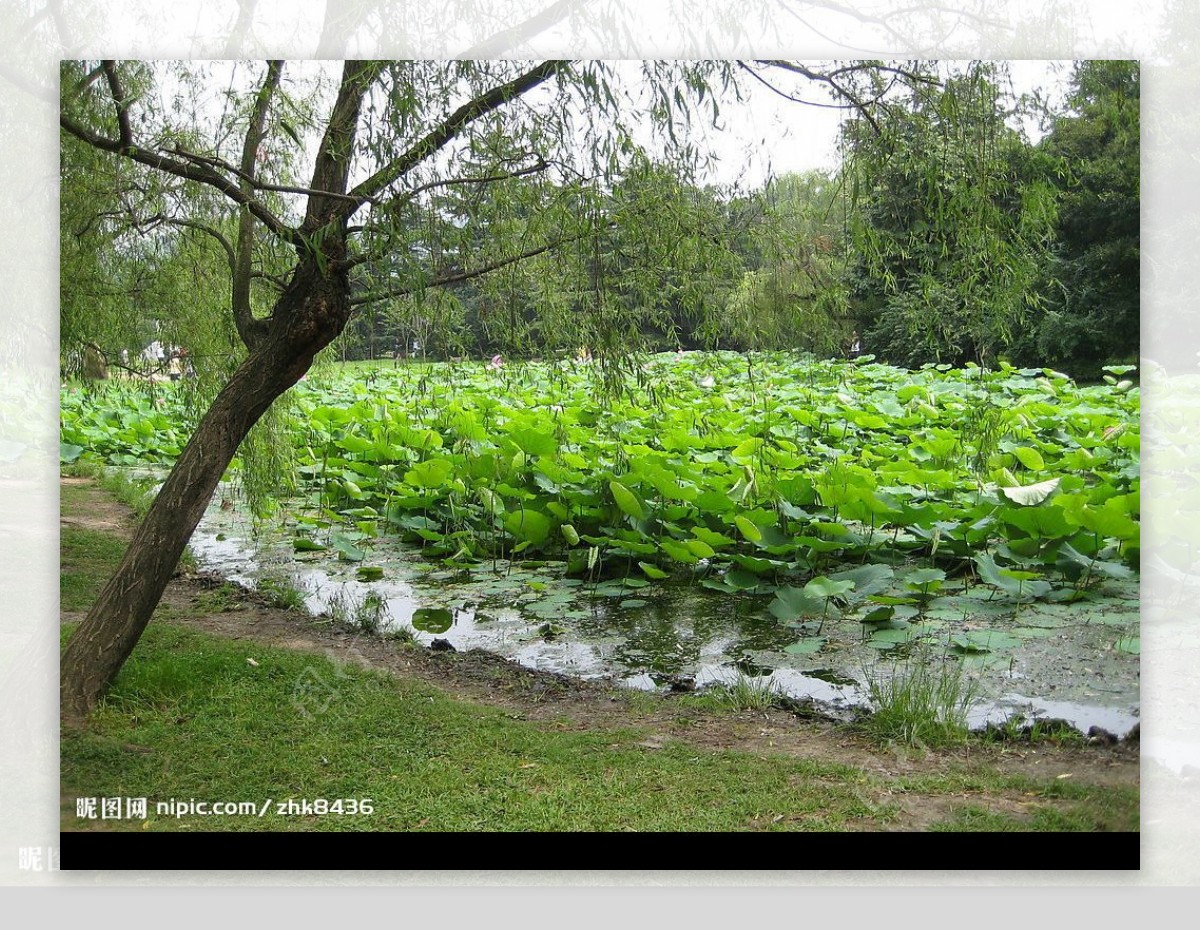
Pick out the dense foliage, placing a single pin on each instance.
(754, 473)
(1093, 304)
(946, 237)
(952, 226)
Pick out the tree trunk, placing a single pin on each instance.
(312, 311)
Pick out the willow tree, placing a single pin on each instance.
(952, 224)
(791, 294)
(528, 152)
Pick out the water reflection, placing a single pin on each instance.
(650, 638)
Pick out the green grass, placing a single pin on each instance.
(135, 493)
(88, 558)
(741, 694)
(196, 716)
(294, 725)
(282, 593)
(925, 703)
(1118, 811)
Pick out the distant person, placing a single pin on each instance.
(183, 359)
(154, 354)
(855, 345)
(174, 364)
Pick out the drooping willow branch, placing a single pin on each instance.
(440, 136)
(181, 169)
(458, 277)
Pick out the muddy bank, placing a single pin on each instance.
(209, 602)
(1063, 663)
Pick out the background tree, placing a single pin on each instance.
(792, 292)
(1092, 310)
(531, 148)
(951, 227)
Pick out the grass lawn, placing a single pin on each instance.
(198, 715)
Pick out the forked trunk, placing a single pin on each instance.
(309, 315)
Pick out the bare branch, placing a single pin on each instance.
(249, 329)
(540, 165)
(851, 102)
(850, 98)
(120, 100)
(252, 181)
(458, 277)
(848, 105)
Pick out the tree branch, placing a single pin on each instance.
(332, 170)
(852, 100)
(249, 329)
(214, 162)
(441, 135)
(201, 174)
(86, 81)
(540, 165)
(786, 96)
(204, 228)
(851, 104)
(458, 277)
(120, 101)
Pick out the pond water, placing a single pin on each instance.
(1061, 661)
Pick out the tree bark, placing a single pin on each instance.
(310, 313)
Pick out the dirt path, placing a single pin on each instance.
(204, 601)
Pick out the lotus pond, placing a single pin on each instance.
(804, 523)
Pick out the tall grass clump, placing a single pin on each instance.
(922, 703)
(741, 694)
